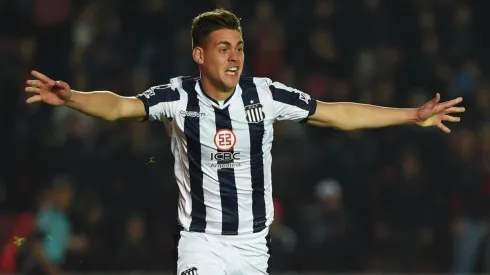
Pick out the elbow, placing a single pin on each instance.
(346, 127)
(332, 124)
(343, 120)
(111, 116)
(341, 124)
(116, 112)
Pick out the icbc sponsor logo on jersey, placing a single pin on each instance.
(225, 140)
(225, 157)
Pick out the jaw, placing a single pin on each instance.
(230, 81)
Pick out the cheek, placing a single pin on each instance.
(215, 60)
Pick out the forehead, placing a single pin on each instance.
(224, 35)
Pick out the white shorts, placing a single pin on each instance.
(205, 254)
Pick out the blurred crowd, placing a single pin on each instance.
(82, 194)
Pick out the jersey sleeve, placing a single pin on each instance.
(292, 104)
(161, 102)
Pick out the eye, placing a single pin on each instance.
(224, 50)
(240, 49)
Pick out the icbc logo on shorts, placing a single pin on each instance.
(225, 139)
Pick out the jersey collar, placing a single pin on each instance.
(203, 97)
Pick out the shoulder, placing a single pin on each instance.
(264, 84)
(174, 90)
(184, 82)
(261, 84)
(258, 81)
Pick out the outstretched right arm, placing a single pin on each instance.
(106, 105)
(156, 103)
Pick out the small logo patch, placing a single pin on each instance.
(303, 96)
(254, 113)
(149, 93)
(191, 114)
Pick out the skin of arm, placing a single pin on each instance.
(354, 116)
(106, 105)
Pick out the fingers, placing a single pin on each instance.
(443, 128)
(455, 110)
(451, 118)
(33, 99)
(451, 103)
(34, 83)
(46, 80)
(32, 90)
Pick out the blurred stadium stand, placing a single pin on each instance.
(390, 200)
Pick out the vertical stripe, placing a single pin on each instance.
(242, 165)
(257, 114)
(256, 132)
(193, 136)
(210, 174)
(227, 183)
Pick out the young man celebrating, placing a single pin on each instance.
(222, 130)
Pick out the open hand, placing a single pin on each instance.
(51, 92)
(434, 113)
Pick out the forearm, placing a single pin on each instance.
(353, 116)
(100, 104)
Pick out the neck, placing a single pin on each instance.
(214, 90)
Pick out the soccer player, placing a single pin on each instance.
(222, 130)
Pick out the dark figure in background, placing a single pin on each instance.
(135, 250)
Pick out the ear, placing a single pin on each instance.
(198, 55)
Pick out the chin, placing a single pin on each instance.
(231, 86)
(230, 83)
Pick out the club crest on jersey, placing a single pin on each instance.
(254, 113)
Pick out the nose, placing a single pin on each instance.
(232, 56)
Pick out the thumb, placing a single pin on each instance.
(433, 102)
(436, 99)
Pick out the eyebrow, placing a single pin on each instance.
(228, 44)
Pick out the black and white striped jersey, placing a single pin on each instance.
(222, 150)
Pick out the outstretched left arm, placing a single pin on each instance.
(354, 116)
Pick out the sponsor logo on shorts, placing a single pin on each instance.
(190, 271)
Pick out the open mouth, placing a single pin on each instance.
(232, 71)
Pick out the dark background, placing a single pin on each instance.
(101, 196)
